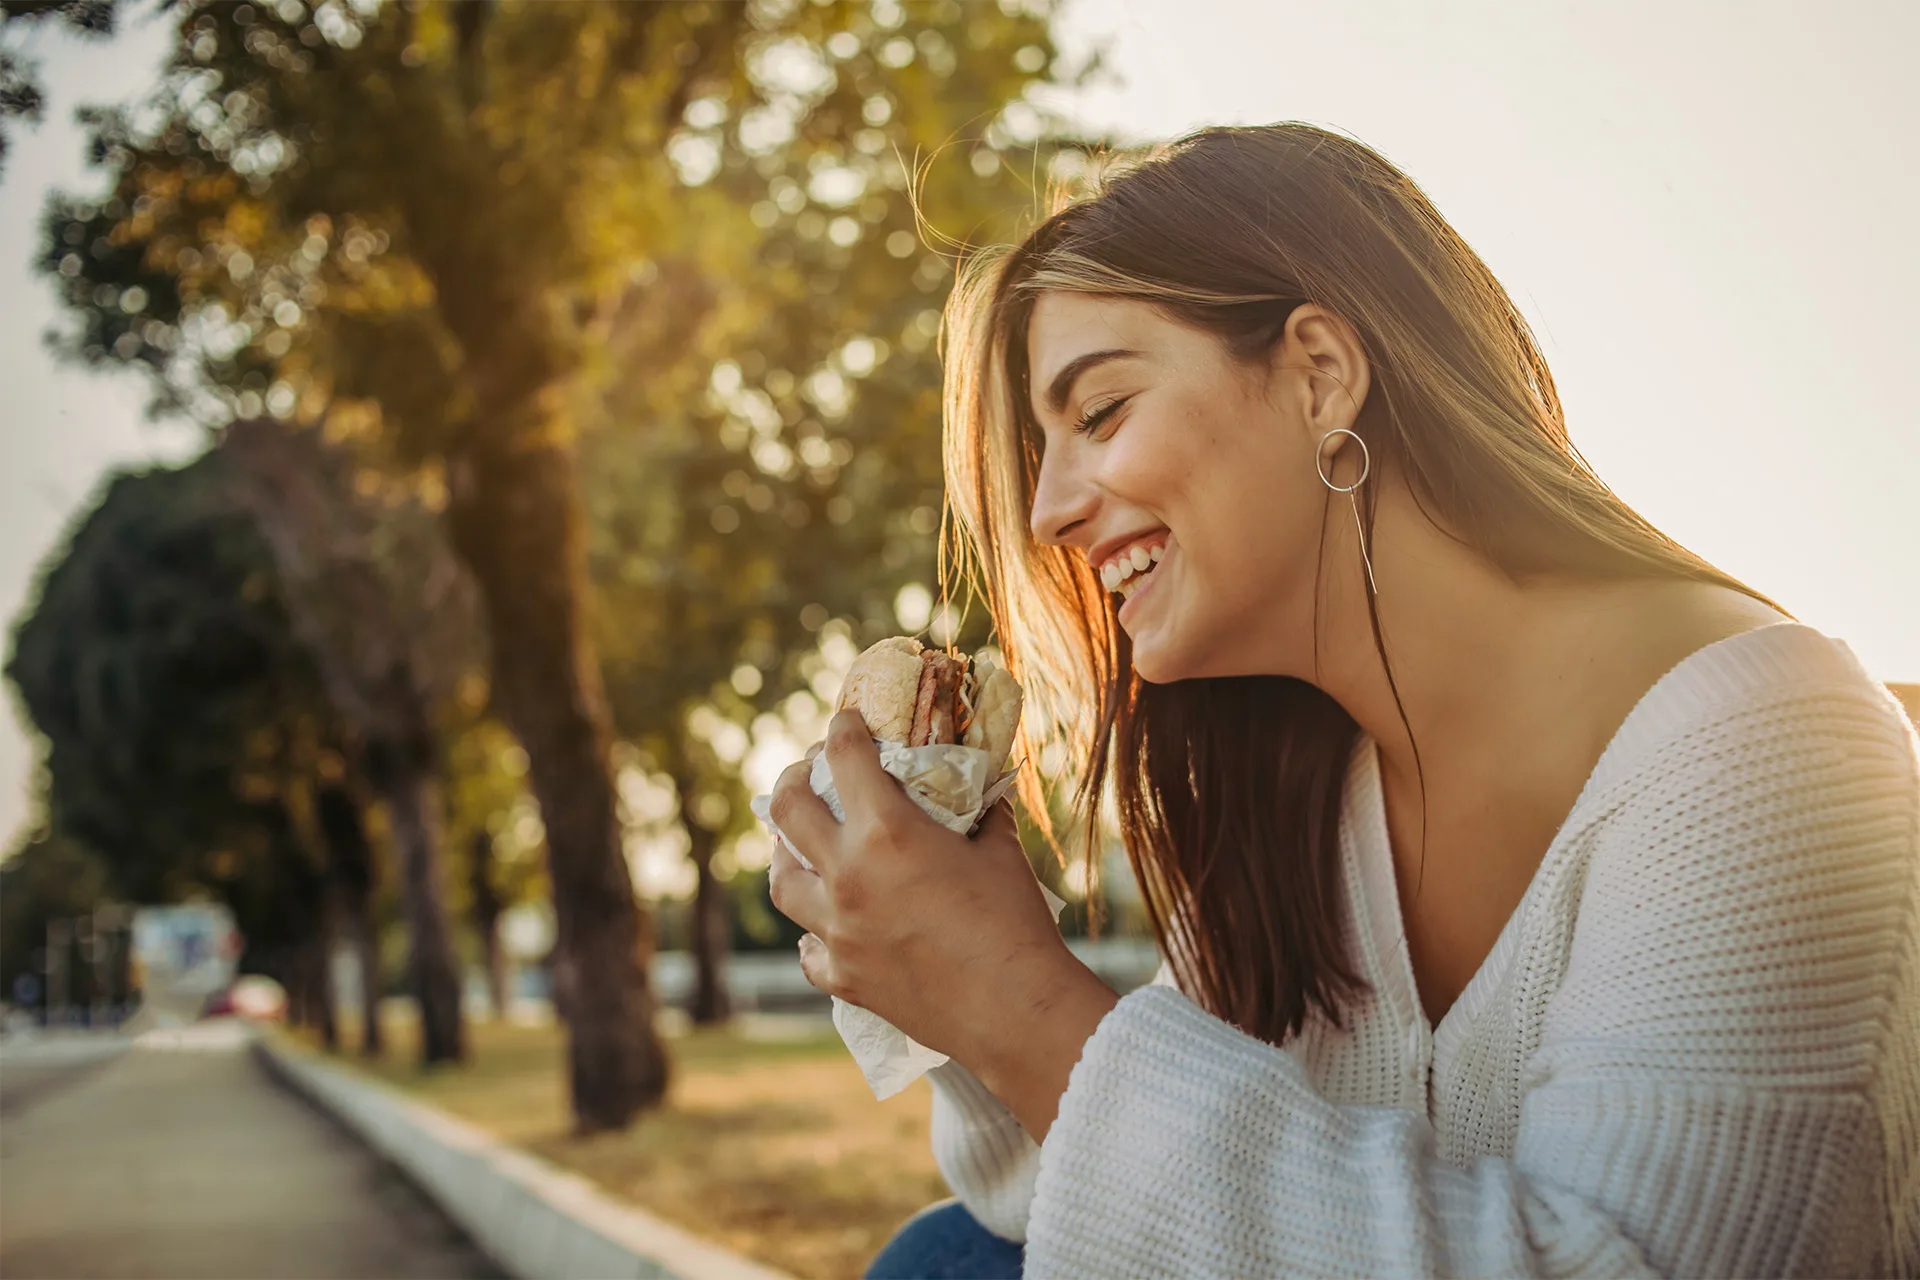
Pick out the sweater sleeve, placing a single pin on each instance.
(1725, 1082)
(987, 1159)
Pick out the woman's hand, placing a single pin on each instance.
(947, 938)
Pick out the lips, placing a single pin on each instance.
(1125, 569)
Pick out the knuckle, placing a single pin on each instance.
(890, 831)
(845, 732)
(781, 807)
(785, 784)
(815, 964)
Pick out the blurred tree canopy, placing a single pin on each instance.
(186, 730)
(663, 258)
(21, 97)
(47, 876)
(386, 616)
(784, 469)
(195, 744)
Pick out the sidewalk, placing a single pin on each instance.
(36, 1064)
(180, 1158)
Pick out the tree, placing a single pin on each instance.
(385, 615)
(494, 834)
(355, 872)
(186, 730)
(47, 877)
(409, 210)
(486, 908)
(443, 216)
(745, 489)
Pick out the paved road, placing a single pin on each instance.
(180, 1158)
(47, 1066)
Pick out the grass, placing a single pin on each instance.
(774, 1148)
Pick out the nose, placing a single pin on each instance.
(1064, 500)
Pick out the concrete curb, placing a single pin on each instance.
(535, 1221)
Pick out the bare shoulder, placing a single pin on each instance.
(1678, 618)
(1732, 612)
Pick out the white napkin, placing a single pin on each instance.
(951, 786)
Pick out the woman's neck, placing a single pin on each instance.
(1499, 680)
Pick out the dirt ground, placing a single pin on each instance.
(773, 1147)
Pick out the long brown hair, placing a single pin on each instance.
(1228, 791)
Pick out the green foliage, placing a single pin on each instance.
(372, 590)
(420, 209)
(48, 877)
(487, 796)
(688, 238)
(181, 718)
(751, 482)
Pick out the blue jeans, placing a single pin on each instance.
(945, 1242)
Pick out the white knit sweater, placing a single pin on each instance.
(1693, 1051)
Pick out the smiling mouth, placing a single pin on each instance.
(1127, 572)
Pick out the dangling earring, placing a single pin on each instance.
(1366, 465)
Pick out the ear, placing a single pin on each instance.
(1329, 367)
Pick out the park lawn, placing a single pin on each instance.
(775, 1149)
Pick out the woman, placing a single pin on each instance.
(1537, 898)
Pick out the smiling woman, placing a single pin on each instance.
(1196, 359)
(1536, 898)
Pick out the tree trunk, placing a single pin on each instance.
(711, 924)
(517, 522)
(294, 979)
(316, 980)
(366, 945)
(486, 922)
(413, 802)
(350, 864)
(495, 958)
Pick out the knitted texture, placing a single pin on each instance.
(1694, 1049)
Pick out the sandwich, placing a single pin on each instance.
(917, 696)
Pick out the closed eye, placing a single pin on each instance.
(1091, 421)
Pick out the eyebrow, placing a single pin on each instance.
(1062, 385)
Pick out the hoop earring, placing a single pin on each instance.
(1366, 466)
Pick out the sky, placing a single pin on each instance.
(1699, 207)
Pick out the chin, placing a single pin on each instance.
(1193, 652)
(1158, 662)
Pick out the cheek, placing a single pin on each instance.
(1149, 463)
(1230, 500)
(1246, 522)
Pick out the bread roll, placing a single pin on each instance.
(909, 694)
(997, 697)
(882, 685)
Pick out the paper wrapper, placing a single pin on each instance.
(951, 785)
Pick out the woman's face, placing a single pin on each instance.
(1186, 478)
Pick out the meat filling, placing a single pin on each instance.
(936, 715)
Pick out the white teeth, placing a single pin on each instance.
(1124, 573)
